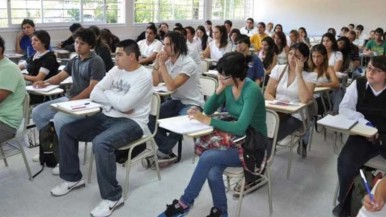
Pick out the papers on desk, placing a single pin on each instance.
(183, 125)
(78, 105)
(338, 122)
(283, 103)
(44, 89)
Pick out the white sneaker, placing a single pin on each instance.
(106, 207)
(56, 170)
(35, 158)
(66, 187)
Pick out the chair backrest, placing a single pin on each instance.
(272, 121)
(208, 85)
(204, 66)
(377, 162)
(155, 109)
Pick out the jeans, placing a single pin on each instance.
(355, 153)
(106, 134)
(211, 166)
(287, 126)
(43, 113)
(6, 132)
(167, 140)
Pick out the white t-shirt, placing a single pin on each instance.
(195, 45)
(149, 49)
(335, 57)
(249, 32)
(216, 53)
(190, 92)
(120, 91)
(291, 92)
(282, 58)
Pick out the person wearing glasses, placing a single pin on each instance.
(244, 101)
(365, 102)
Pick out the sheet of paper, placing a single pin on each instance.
(183, 125)
(44, 89)
(337, 121)
(78, 105)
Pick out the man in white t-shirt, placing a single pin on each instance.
(125, 93)
(181, 76)
(150, 46)
(249, 28)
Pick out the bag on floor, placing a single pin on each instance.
(48, 147)
(121, 156)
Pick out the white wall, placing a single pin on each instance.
(318, 15)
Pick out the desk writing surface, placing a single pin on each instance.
(162, 90)
(321, 89)
(363, 130)
(288, 109)
(77, 112)
(183, 125)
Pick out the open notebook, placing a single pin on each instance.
(183, 125)
(338, 122)
(78, 105)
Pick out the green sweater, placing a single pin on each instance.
(248, 109)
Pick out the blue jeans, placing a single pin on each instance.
(167, 140)
(355, 153)
(106, 134)
(211, 166)
(43, 113)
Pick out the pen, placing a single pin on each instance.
(366, 185)
(80, 106)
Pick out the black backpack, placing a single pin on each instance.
(48, 147)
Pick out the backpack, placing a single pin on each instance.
(48, 147)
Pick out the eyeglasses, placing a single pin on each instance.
(374, 69)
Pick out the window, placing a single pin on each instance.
(3, 14)
(62, 11)
(167, 10)
(231, 9)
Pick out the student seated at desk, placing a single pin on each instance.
(150, 46)
(219, 45)
(379, 198)
(12, 93)
(245, 103)
(23, 38)
(293, 83)
(102, 49)
(86, 69)
(181, 75)
(364, 101)
(68, 44)
(125, 93)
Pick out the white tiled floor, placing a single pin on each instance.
(309, 192)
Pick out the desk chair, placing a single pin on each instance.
(150, 151)
(297, 137)
(272, 121)
(208, 87)
(15, 145)
(204, 66)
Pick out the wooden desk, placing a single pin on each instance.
(87, 112)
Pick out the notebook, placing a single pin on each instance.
(338, 122)
(78, 105)
(183, 125)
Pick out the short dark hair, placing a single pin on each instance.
(152, 28)
(130, 46)
(360, 27)
(27, 21)
(379, 62)
(237, 31)
(208, 22)
(86, 35)
(351, 24)
(243, 39)
(44, 37)
(191, 29)
(74, 27)
(179, 25)
(228, 22)
(233, 64)
(261, 23)
(379, 30)
(250, 19)
(2, 45)
(345, 29)
(179, 42)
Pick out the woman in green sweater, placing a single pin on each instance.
(245, 103)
